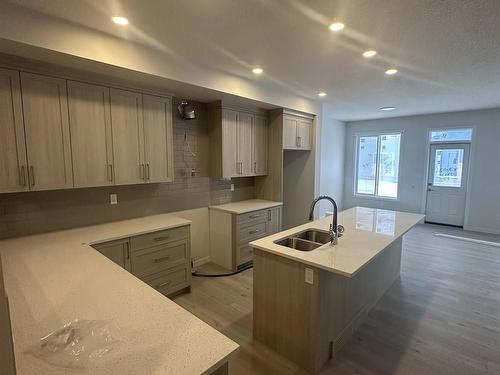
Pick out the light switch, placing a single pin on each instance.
(232, 187)
(113, 199)
(309, 276)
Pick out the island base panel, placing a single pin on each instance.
(309, 323)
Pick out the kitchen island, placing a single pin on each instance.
(308, 303)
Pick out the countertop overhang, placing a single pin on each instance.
(368, 231)
(243, 207)
(53, 278)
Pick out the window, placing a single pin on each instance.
(448, 165)
(378, 165)
(451, 135)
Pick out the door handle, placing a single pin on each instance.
(142, 172)
(110, 172)
(22, 176)
(147, 171)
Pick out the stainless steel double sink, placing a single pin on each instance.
(306, 240)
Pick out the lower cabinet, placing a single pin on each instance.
(230, 234)
(161, 259)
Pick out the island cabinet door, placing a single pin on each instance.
(128, 137)
(158, 139)
(45, 106)
(13, 164)
(274, 219)
(91, 143)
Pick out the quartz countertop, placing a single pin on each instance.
(246, 206)
(54, 278)
(368, 231)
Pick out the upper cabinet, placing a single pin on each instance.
(57, 133)
(45, 109)
(128, 137)
(90, 126)
(158, 136)
(13, 163)
(238, 142)
(297, 132)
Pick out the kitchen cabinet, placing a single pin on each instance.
(13, 162)
(238, 141)
(158, 139)
(91, 140)
(45, 110)
(230, 234)
(161, 259)
(118, 251)
(260, 145)
(128, 137)
(297, 133)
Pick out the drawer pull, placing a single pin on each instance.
(254, 216)
(163, 238)
(254, 231)
(164, 284)
(162, 259)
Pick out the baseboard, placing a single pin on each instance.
(201, 261)
(482, 230)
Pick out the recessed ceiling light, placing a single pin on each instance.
(257, 71)
(387, 108)
(369, 53)
(337, 26)
(321, 94)
(120, 20)
(391, 71)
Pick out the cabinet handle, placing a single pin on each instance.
(162, 259)
(22, 176)
(141, 171)
(163, 238)
(128, 251)
(268, 215)
(147, 171)
(164, 284)
(254, 167)
(300, 141)
(254, 231)
(110, 172)
(297, 141)
(32, 175)
(254, 216)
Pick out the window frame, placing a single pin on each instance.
(379, 135)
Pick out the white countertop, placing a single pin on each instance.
(246, 206)
(368, 231)
(54, 278)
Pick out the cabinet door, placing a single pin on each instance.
(13, 167)
(230, 166)
(290, 125)
(117, 251)
(274, 220)
(245, 144)
(46, 124)
(260, 146)
(90, 125)
(128, 137)
(304, 134)
(158, 138)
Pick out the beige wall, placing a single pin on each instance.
(36, 212)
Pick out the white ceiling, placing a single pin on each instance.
(447, 51)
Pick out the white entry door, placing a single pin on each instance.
(447, 183)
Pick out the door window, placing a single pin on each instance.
(448, 164)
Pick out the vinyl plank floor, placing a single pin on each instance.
(441, 317)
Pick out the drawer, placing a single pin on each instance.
(261, 215)
(145, 262)
(245, 254)
(252, 232)
(160, 237)
(170, 281)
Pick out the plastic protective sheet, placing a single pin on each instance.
(78, 344)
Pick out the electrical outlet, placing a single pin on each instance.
(193, 172)
(309, 276)
(113, 199)
(232, 187)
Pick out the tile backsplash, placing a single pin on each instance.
(36, 212)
